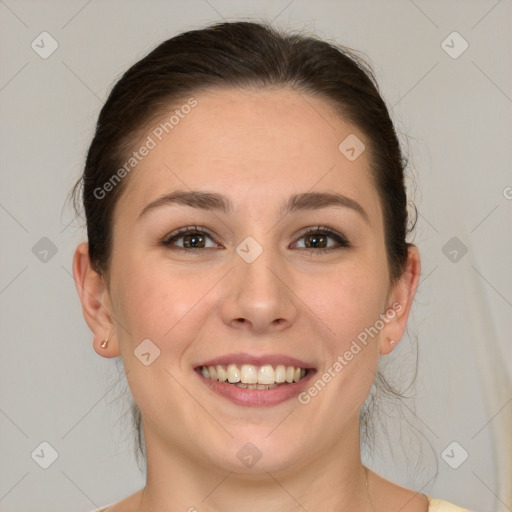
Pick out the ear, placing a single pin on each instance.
(400, 301)
(95, 299)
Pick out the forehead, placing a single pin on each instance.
(257, 144)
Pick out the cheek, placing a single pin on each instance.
(351, 299)
(349, 302)
(151, 302)
(162, 304)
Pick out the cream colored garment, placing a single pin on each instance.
(434, 506)
(443, 506)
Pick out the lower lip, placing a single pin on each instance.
(257, 397)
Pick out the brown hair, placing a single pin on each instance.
(244, 55)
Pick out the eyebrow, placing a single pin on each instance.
(213, 201)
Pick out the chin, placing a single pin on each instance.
(255, 452)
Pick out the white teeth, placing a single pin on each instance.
(233, 373)
(213, 372)
(281, 373)
(254, 377)
(249, 374)
(266, 375)
(255, 386)
(222, 375)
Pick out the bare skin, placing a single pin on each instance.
(257, 148)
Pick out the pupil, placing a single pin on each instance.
(193, 241)
(316, 241)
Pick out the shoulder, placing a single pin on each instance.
(397, 498)
(129, 504)
(443, 506)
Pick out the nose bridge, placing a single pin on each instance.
(259, 295)
(260, 277)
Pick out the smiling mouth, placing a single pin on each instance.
(248, 376)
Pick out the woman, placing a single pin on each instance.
(247, 258)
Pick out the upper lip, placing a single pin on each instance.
(257, 360)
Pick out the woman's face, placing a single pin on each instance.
(258, 280)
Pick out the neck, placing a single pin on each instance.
(333, 480)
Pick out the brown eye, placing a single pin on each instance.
(189, 239)
(316, 240)
(194, 241)
(321, 238)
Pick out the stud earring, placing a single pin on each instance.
(104, 343)
(391, 342)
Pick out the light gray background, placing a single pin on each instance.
(457, 115)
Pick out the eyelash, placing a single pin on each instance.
(319, 230)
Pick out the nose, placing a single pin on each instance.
(258, 297)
